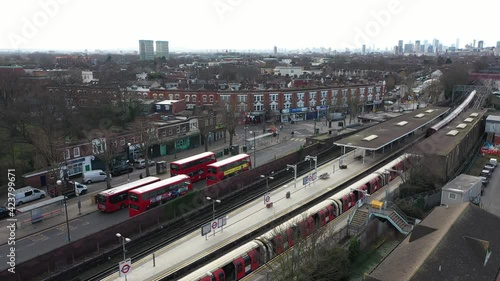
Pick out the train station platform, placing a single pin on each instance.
(393, 130)
(246, 219)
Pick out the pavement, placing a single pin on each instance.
(38, 238)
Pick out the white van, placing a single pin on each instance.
(28, 194)
(94, 176)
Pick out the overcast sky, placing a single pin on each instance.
(243, 24)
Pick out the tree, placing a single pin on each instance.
(455, 75)
(353, 104)
(148, 130)
(206, 123)
(105, 146)
(229, 118)
(311, 258)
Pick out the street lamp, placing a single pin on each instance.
(309, 158)
(59, 183)
(245, 140)
(124, 240)
(254, 149)
(128, 162)
(294, 167)
(267, 179)
(213, 207)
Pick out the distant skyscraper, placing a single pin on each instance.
(400, 46)
(161, 49)
(457, 44)
(146, 50)
(363, 49)
(474, 43)
(275, 50)
(480, 45)
(422, 49)
(408, 49)
(435, 44)
(417, 46)
(497, 49)
(396, 50)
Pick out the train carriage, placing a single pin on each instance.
(242, 261)
(232, 266)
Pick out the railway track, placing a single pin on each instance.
(105, 264)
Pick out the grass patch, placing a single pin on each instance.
(370, 257)
(478, 165)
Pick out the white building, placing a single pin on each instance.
(290, 70)
(464, 188)
(161, 49)
(87, 77)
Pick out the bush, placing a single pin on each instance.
(354, 248)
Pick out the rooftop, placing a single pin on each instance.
(462, 183)
(451, 243)
(493, 118)
(382, 134)
(448, 137)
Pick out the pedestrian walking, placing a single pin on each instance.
(140, 176)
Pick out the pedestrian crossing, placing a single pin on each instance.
(297, 139)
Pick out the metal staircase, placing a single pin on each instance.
(358, 219)
(395, 216)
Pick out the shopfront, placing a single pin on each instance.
(293, 114)
(76, 166)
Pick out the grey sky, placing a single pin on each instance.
(243, 24)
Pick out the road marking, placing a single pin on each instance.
(38, 237)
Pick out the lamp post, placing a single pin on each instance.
(59, 183)
(128, 162)
(124, 240)
(77, 192)
(213, 207)
(267, 179)
(294, 167)
(245, 140)
(309, 158)
(254, 149)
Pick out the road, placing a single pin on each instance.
(47, 235)
(490, 200)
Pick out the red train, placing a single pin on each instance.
(240, 262)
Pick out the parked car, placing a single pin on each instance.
(485, 173)
(141, 163)
(484, 181)
(28, 194)
(489, 167)
(94, 176)
(4, 212)
(121, 169)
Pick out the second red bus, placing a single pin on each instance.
(114, 199)
(150, 196)
(194, 166)
(229, 167)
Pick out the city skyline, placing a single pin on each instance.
(200, 25)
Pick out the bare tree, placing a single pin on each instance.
(206, 124)
(353, 104)
(147, 129)
(105, 146)
(310, 258)
(229, 118)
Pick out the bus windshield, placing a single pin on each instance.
(101, 198)
(133, 197)
(174, 167)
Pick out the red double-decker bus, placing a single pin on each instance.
(229, 167)
(194, 166)
(150, 196)
(117, 198)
